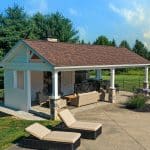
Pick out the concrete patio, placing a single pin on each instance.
(45, 112)
(123, 129)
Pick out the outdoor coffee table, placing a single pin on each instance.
(70, 98)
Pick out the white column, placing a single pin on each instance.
(146, 83)
(98, 74)
(55, 85)
(146, 75)
(15, 79)
(27, 82)
(112, 79)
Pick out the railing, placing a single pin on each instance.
(129, 85)
(124, 84)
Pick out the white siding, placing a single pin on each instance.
(14, 97)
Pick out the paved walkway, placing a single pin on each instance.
(20, 114)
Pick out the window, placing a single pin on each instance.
(19, 79)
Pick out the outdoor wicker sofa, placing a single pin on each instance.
(88, 130)
(86, 98)
(45, 139)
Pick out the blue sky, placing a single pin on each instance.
(118, 19)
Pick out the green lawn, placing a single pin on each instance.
(11, 129)
(127, 82)
(128, 79)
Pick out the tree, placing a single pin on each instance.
(81, 42)
(140, 49)
(102, 40)
(16, 25)
(13, 26)
(39, 24)
(125, 44)
(113, 43)
(56, 26)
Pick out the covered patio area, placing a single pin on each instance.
(47, 69)
(121, 97)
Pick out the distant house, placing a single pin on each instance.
(49, 67)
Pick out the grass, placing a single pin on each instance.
(128, 79)
(127, 82)
(11, 129)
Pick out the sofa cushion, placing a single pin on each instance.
(67, 117)
(38, 130)
(59, 136)
(86, 125)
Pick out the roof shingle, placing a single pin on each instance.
(66, 54)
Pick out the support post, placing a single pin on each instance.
(112, 90)
(55, 96)
(98, 74)
(146, 83)
(27, 82)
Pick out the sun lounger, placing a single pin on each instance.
(45, 139)
(88, 130)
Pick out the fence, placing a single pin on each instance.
(129, 85)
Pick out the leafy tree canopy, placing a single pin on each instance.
(125, 44)
(54, 25)
(103, 40)
(140, 49)
(15, 24)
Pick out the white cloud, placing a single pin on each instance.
(73, 12)
(146, 35)
(82, 32)
(135, 15)
(147, 44)
(38, 6)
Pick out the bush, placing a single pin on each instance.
(136, 102)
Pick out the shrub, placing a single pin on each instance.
(136, 102)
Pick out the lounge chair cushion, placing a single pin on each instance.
(85, 125)
(68, 137)
(67, 117)
(38, 130)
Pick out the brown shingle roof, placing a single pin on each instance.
(65, 54)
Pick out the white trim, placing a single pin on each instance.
(11, 52)
(14, 50)
(28, 66)
(73, 68)
(55, 85)
(15, 79)
(27, 81)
